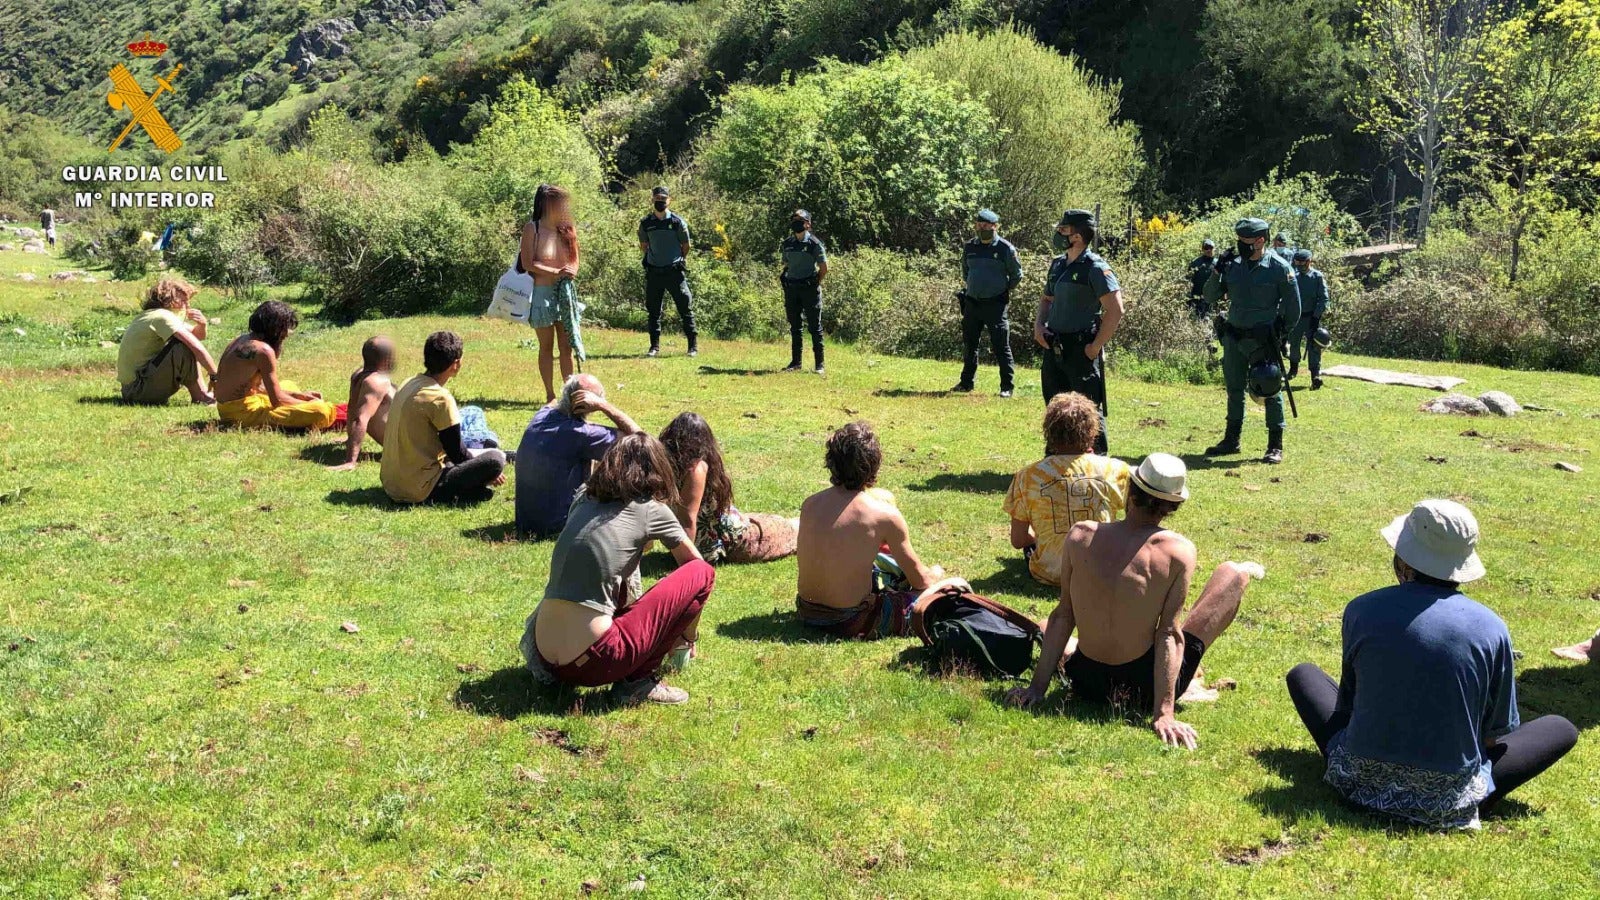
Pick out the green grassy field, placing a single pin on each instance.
(182, 715)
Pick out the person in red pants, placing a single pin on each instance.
(593, 627)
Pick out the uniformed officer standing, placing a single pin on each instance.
(1263, 305)
(664, 241)
(989, 270)
(1280, 246)
(1313, 287)
(1078, 316)
(805, 265)
(1199, 273)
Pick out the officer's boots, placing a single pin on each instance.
(1229, 443)
(1274, 453)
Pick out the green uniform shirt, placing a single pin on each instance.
(802, 255)
(1313, 287)
(1075, 289)
(664, 239)
(989, 270)
(1258, 292)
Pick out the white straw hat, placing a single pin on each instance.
(1164, 476)
(1438, 538)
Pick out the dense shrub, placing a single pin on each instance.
(882, 155)
(1063, 145)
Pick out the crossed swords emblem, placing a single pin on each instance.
(126, 94)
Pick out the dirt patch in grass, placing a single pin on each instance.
(1250, 856)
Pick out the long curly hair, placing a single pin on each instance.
(271, 323)
(689, 440)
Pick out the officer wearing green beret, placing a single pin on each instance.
(1313, 287)
(664, 241)
(1078, 315)
(805, 264)
(1263, 306)
(989, 270)
(1280, 246)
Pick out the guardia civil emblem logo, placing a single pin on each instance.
(127, 94)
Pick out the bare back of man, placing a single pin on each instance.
(841, 532)
(369, 397)
(1122, 577)
(250, 366)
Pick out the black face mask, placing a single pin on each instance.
(661, 206)
(798, 226)
(1246, 249)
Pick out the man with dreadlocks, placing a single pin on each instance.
(248, 390)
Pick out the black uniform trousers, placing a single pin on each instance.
(803, 300)
(671, 280)
(1065, 368)
(978, 316)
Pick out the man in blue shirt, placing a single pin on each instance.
(805, 265)
(557, 450)
(1313, 287)
(989, 270)
(1423, 725)
(1078, 315)
(1199, 272)
(664, 241)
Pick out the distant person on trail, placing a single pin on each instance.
(248, 389)
(1123, 585)
(989, 271)
(557, 450)
(1199, 272)
(664, 241)
(805, 265)
(1313, 287)
(161, 349)
(705, 501)
(1078, 315)
(425, 458)
(858, 574)
(371, 392)
(549, 253)
(593, 626)
(1070, 485)
(47, 224)
(1423, 724)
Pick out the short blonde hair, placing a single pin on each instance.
(170, 293)
(1071, 423)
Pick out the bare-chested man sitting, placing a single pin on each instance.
(370, 393)
(1123, 585)
(858, 573)
(248, 390)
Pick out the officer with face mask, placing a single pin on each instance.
(1199, 272)
(989, 270)
(805, 265)
(664, 241)
(1263, 306)
(1280, 246)
(1313, 287)
(1078, 315)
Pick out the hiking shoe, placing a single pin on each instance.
(1005, 395)
(821, 371)
(961, 389)
(792, 367)
(1273, 456)
(1223, 447)
(653, 352)
(633, 693)
(693, 352)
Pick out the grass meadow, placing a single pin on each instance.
(182, 714)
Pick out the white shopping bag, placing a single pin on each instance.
(513, 297)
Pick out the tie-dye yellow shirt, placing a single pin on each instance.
(1058, 492)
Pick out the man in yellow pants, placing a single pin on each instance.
(248, 391)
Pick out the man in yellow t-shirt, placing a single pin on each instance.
(1070, 485)
(161, 350)
(424, 458)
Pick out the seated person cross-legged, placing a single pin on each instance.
(250, 393)
(858, 574)
(1071, 484)
(161, 349)
(705, 501)
(593, 626)
(1123, 586)
(371, 391)
(425, 459)
(1423, 725)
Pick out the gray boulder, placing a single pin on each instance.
(314, 43)
(35, 246)
(400, 12)
(6, 247)
(1456, 404)
(25, 233)
(1500, 403)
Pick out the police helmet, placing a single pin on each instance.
(1266, 380)
(1322, 337)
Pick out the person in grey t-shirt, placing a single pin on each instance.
(589, 630)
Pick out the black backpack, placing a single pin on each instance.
(968, 631)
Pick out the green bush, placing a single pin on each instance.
(881, 155)
(1063, 148)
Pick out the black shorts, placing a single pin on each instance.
(1132, 682)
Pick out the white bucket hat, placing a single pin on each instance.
(1438, 538)
(1164, 476)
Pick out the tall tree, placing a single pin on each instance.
(1422, 61)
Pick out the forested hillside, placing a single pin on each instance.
(388, 148)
